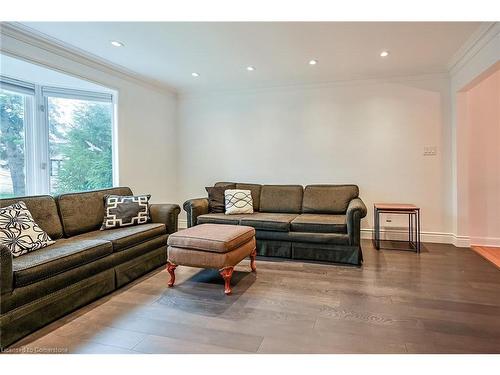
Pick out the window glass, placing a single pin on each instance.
(80, 144)
(13, 108)
(54, 139)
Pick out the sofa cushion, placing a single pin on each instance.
(281, 198)
(256, 190)
(320, 223)
(19, 232)
(218, 238)
(227, 185)
(62, 256)
(220, 218)
(124, 211)
(123, 238)
(216, 199)
(238, 202)
(269, 221)
(84, 212)
(328, 199)
(43, 208)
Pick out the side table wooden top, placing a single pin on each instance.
(395, 206)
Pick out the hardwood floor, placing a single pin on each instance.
(489, 253)
(445, 300)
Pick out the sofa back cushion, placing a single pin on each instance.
(84, 212)
(43, 208)
(254, 189)
(281, 198)
(227, 185)
(328, 199)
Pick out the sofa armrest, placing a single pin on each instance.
(195, 208)
(6, 275)
(355, 212)
(167, 214)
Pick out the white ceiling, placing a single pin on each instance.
(169, 52)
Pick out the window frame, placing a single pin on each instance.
(36, 148)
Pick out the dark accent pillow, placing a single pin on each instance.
(123, 211)
(216, 199)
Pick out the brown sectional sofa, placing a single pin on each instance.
(84, 263)
(318, 222)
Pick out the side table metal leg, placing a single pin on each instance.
(418, 231)
(412, 234)
(409, 228)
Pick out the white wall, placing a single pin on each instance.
(482, 126)
(146, 115)
(477, 61)
(368, 133)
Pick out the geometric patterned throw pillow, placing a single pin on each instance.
(238, 201)
(19, 232)
(123, 211)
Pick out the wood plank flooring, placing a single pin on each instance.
(445, 300)
(491, 254)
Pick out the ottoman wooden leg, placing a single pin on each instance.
(171, 270)
(253, 254)
(226, 274)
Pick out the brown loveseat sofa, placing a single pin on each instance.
(84, 263)
(318, 222)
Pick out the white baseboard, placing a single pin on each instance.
(461, 241)
(485, 241)
(402, 235)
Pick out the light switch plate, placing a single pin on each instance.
(430, 150)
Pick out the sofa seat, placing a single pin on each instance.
(277, 222)
(221, 218)
(123, 238)
(320, 223)
(62, 256)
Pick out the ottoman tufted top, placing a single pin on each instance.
(216, 238)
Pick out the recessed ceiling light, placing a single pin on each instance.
(116, 43)
(194, 74)
(250, 68)
(384, 53)
(313, 62)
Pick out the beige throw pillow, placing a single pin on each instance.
(238, 201)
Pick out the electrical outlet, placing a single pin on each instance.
(430, 150)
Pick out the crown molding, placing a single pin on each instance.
(482, 36)
(188, 94)
(47, 43)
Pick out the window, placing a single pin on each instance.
(54, 140)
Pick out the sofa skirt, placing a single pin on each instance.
(343, 254)
(27, 318)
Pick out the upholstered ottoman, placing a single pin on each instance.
(217, 246)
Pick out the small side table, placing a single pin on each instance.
(413, 213)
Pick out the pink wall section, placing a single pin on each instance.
(479, 160)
